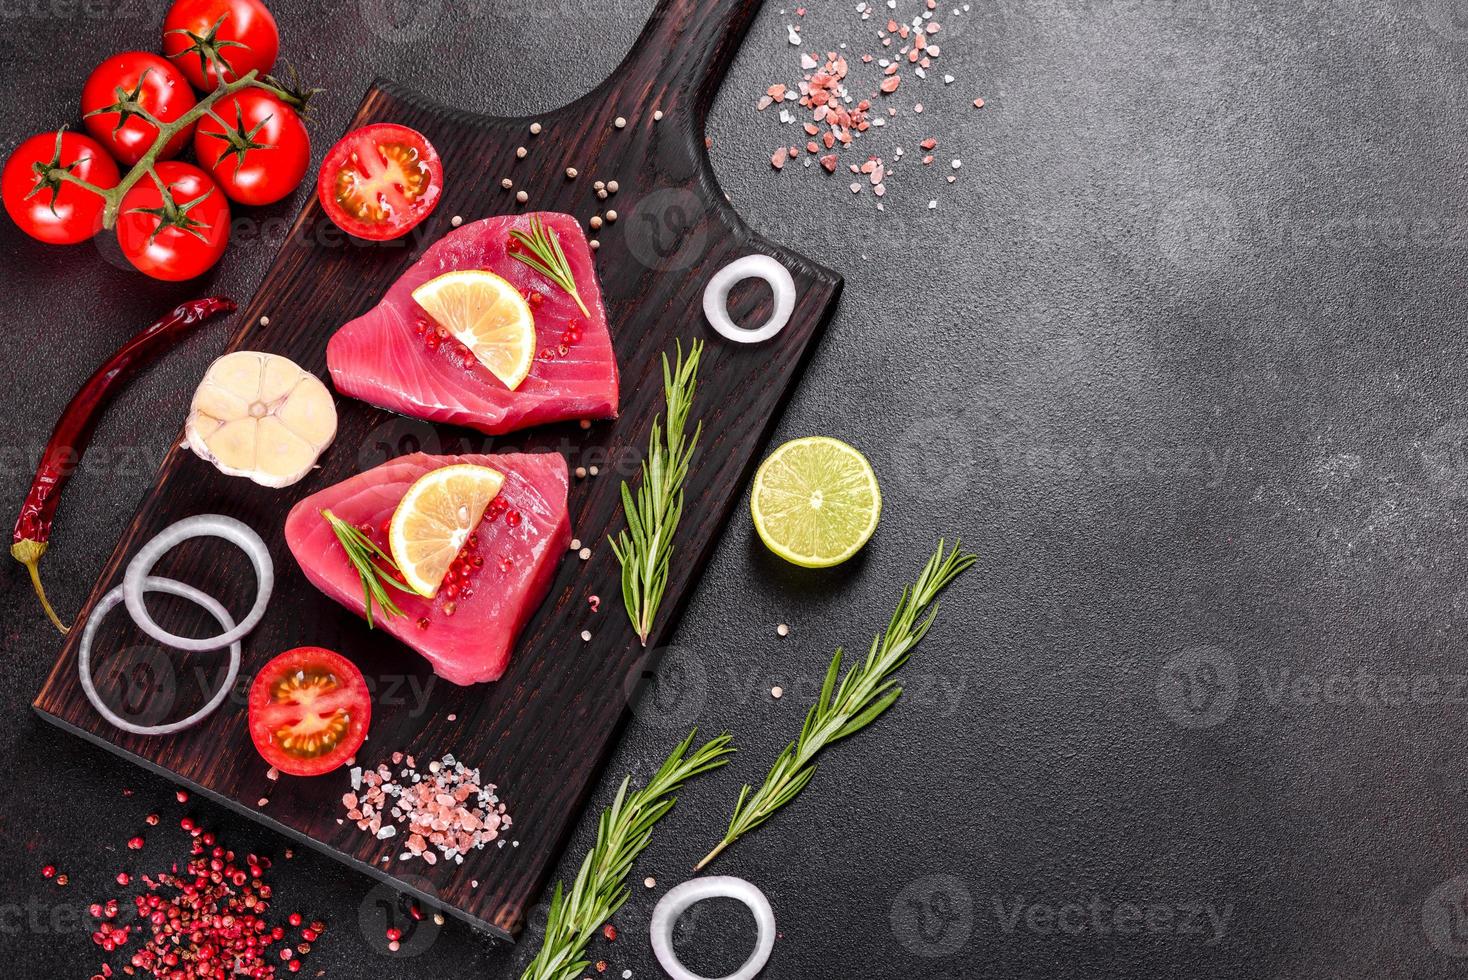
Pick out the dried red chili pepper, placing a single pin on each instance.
(68, 441)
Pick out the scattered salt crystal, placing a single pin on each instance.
(957, 164)
(586, 636)
(793, 34)
(649, 882)
(620, 122)
(782, 630)
(932, 205)
(273, 774)
(777, 692)
(535, 129)
(265, 321)
(657, 116)
(584, 554)
(521, 196)
(575, 544)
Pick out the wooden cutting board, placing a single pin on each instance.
(543, 732)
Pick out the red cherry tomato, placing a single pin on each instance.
(309, 711)
(179, 237)
(262, 154)
(220, 40)
(126, 84)
(53, 210)
(379, 181)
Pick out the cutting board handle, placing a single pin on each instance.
(682, 54)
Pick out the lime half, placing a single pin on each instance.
(815, 501)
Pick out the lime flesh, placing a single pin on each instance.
(815, 501)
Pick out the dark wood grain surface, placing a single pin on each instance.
(541, 733)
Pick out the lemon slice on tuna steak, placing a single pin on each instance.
(261, 416)
(434, 519)
(486, 314)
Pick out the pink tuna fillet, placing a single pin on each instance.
(381, 358)
(473, 642)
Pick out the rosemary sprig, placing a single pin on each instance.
(375, 566)
(645, 548)
(623, 833)
(867, 690)
(545, 256)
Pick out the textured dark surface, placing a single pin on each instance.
(1179, 354)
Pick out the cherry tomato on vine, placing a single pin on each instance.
(50, 209)
(263, 152)
(379, 181)
(219, 40)
(309, 711)
(178, 235)
(121, 88)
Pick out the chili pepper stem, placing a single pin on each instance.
(28, 552)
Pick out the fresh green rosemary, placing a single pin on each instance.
(645, 548)
(375, 566)
(867, 690)
(546, 257)
(624, 831)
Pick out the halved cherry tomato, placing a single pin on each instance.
(121, 88)
(220, 40)
(178, 236)
(309, 711)
(380, 181)
(261, 154)
(49, 209)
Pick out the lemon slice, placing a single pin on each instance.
(815, 501)
(261, 416)
(434, 519)
(486, 314)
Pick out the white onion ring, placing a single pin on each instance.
(171, 587)
(716, 298)
(204, 525)
(677, 901)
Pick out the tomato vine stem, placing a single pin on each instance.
(113, 196)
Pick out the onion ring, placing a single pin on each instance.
(204, 525)
(171, 587)
(677, 901)
(716, 298)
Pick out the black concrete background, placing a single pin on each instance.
(1180, 354)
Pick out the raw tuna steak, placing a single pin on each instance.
(392, 357)
(469, 636)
